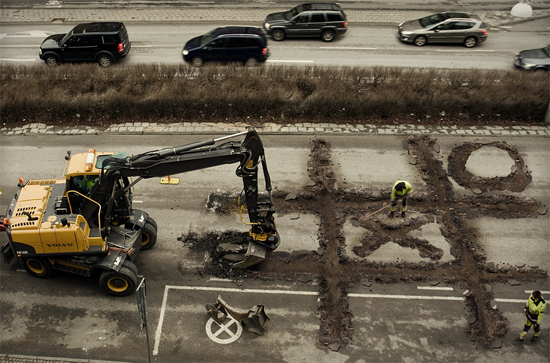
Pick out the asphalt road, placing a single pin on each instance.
(362, 45)
(68, 316)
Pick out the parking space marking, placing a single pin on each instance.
(225, 327)
(219, 289)
(441, 288)
(304, 293)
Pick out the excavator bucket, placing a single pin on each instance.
(254, 254)
(254, 320)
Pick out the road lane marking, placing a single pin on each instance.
(288, 61)
(347, 48)
(440, 288)
(17, 60)
(464, 51)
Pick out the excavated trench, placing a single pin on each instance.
(336, 272)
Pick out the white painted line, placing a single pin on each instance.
(216, 279)
(17, 60)
(251, 291)
(138, 201)
(441, 288)
(19, 46)
(288, 61)
(353, 48)
(464, 51)
(542, 292)
(161, 320)
(511, 300)
(505, 27)
(407, 297)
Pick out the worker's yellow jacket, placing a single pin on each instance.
(396, 194)
(536, 309)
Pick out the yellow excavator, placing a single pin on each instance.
(86, 222)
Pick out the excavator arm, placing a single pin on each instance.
(109, 191)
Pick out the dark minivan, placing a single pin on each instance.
(325, 20)
(102, 42)
(228, 44)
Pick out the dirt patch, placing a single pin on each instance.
(336, 272)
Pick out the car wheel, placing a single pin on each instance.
(197, 62)
(51, 60)
(251, 62)
(420, 41)
(104, 60)
(327, 35)
(37, 267)
(470, 42)
(278, 35)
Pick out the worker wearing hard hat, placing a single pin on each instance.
(401, 190)
(534, 311)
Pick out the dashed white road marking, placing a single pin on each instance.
(288, 61)
(17, 60)
(436, 288)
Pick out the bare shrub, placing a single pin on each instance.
(86, 93)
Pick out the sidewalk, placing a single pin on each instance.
(216, 14)
(147, 128)
(14, 358)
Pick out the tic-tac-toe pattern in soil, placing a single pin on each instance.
(334, 205)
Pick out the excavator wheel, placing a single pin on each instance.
(130, 265)
(153, 222)
(148, 236)
(38, 267)
(121, 283)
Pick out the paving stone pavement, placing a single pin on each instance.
(11, 358)
(143, 128)
(205, 14)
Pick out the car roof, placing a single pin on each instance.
(458, 14)
(320, 6)
(239, 29)
(98, 27)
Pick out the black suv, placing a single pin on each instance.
(323, 20)
(228, 44)
(102, 42)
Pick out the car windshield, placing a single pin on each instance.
(65, 38)
(208, 36)
(547, 50)
(290, 14)
(431, 20)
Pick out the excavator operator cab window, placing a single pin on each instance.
(80, 184)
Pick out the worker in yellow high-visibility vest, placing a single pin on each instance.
(534, 311)
(401, 190)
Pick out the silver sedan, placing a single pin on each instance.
(446, 27)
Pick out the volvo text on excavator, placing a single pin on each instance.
(86, 222)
